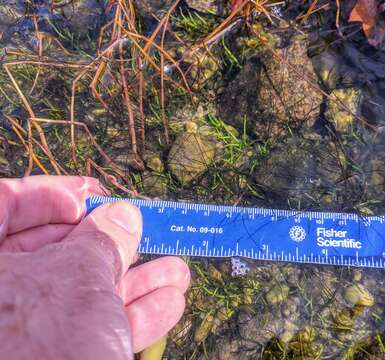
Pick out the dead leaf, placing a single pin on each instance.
(367, 12)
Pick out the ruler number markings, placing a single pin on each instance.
(248, 234)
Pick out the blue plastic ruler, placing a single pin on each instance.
(176, 228)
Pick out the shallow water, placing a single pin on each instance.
(281, 114)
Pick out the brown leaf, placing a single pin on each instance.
(367, 12)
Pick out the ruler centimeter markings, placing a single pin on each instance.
(177, 228)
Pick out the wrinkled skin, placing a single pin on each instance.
(65, 288)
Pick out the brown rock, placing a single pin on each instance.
(190, 155)
(288, 91)
(273, 94)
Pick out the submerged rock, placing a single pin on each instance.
(301, 171)
(259, 329)
(203, 66)
(277, 294)
(341, 63)
(342, 108)
(60, 25)
(289, 91)
(10, 11)
(313, 172)
(154, 162)
(191, 153)
(377, 176)
(237, 102)
(207, 6)
(83, 16)
(273, 92)
(358, 295)
(153, 7)
(248, 46)
(227, 350)
(154, 184)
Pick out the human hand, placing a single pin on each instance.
(65, 288)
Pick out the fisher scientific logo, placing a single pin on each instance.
(297, 233)
(336, 238)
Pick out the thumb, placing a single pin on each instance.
(114, 227)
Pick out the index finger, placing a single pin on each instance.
(40, 200)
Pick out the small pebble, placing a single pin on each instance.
(357, 294)
(277, 294)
